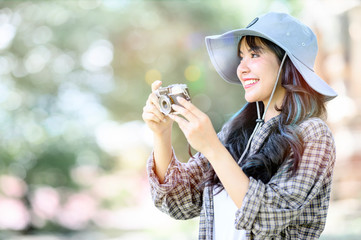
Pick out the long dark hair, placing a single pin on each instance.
(284, 141)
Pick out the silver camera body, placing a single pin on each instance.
(168, 96)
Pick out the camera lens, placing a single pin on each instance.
(165, 104)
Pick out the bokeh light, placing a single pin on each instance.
(99, 55)
(192, 73)
(7, 33)
(74, 77)
(152, 75)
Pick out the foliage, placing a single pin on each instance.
(68, 67)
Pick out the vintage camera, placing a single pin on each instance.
(168, 96)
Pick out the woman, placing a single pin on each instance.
(267, 174)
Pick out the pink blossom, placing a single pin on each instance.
(12, 186)
(14, 214)
(46, 202)
(77, 211)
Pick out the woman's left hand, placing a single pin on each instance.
(196, 126)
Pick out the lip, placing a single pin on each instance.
(249, 85)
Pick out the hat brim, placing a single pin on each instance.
(223, 53)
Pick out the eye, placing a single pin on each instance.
(254, 55)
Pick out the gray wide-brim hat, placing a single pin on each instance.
(287, 32)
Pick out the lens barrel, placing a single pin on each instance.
(165, 104)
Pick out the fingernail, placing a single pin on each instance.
(173, 105)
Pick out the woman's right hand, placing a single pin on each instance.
(152, 116)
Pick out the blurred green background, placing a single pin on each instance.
(74, 77)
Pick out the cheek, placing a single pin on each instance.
(275, 67)
(239, 73)
(239, 70)
(272, 70)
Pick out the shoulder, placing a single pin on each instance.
(314, 128)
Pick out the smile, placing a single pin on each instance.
(250, 82)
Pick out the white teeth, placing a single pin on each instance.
(250, 82)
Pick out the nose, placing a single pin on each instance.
(242, 68)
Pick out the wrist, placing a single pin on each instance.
(212, 151)
(163, 139)
(167, 133)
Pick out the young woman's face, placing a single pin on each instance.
(257, 72)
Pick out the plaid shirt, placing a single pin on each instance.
(285, 208)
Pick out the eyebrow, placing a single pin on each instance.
(256, 49)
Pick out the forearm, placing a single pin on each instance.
(162, 153)
(198, 129)
(230, 174)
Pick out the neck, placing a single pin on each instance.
(271, 112)
(276, 102)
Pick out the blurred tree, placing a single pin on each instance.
(66, 67)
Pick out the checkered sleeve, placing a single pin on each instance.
(180, 195)
(293, 202)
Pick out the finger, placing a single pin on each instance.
(154, 110)
(148, 116)
(182, 123)
(185, 112)
(154, 99)
(188, 105)
(156, 85)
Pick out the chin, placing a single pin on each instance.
(250, 99)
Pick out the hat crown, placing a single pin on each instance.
(290, 34)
